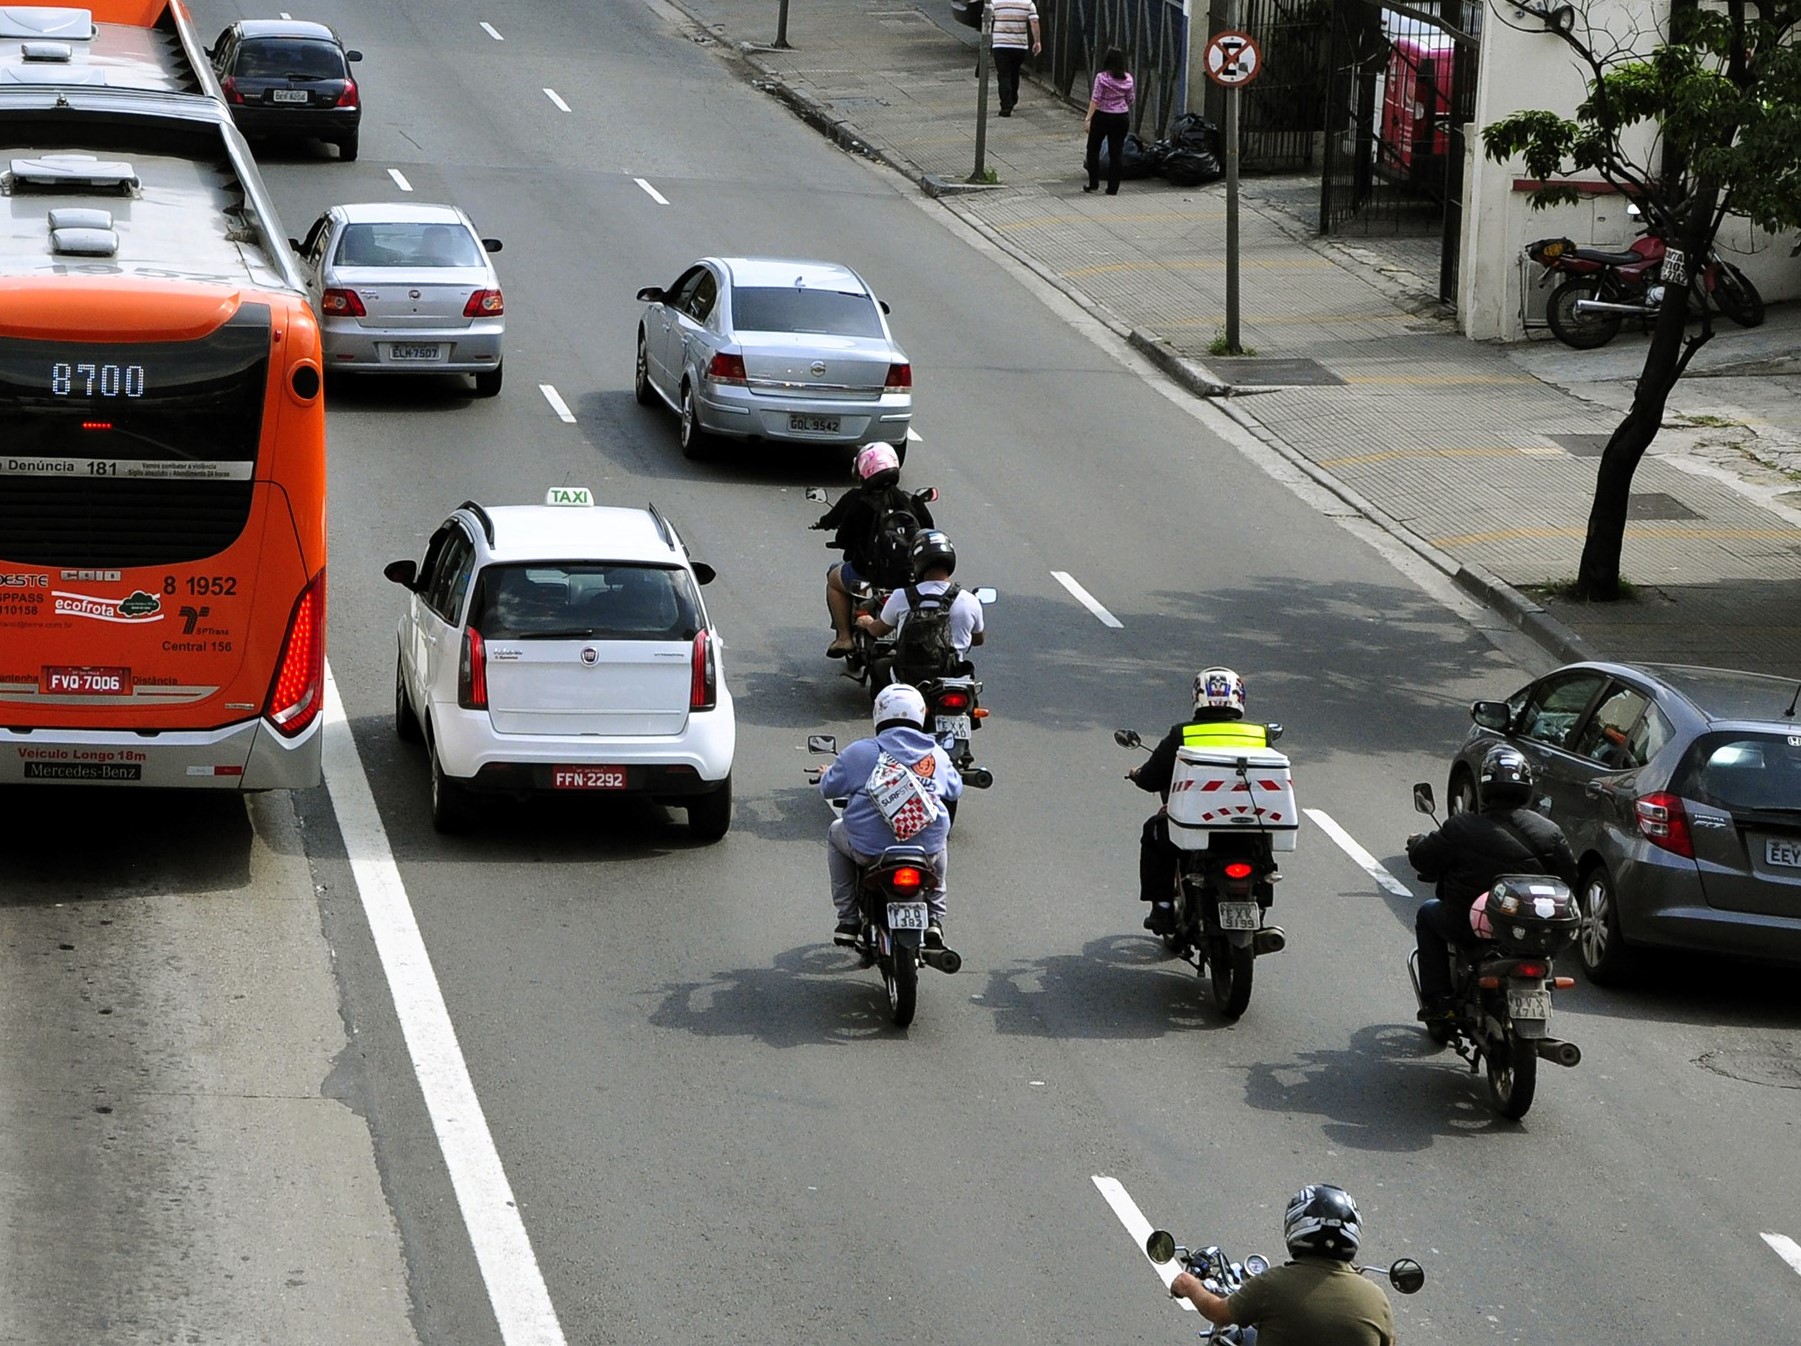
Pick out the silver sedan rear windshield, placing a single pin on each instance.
(585, 601)
(790, 309)
(408, 245)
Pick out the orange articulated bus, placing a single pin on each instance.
(162, 426)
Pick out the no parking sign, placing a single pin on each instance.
(1233, 59)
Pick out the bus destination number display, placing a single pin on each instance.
(88, 379)
(61, 681)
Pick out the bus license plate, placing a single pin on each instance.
(1529, 1005)
(415, 352)
(1237, 915)
(587, 778)
(906, 916)
(288, 95)
(85, 682)
(819, 425)
(957, 726)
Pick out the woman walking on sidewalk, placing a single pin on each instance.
(1109, 117)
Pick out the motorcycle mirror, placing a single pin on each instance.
(929, 495)
(1126, 738)
(1273, 731)
(816, 493)
(1543, 805)
(1422, 799)
(822, 743)
(986, 595)
(1160, 1247)
(1407, 1276)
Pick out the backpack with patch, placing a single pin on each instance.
(889, 561)
(923, 645)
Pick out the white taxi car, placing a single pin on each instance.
(563, 647)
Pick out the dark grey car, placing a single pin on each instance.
(1680, 791)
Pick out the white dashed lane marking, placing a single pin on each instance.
(556, 99)
(1085, 598)
(557, 404)
(400, 180)
(492, 31)
(1785, 1248)
(654, 194)
(1136, 1225)
(1365, 861)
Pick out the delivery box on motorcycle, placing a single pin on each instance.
(1532, 914)
(1217, 790)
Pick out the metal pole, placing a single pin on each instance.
(980, 172)
(781, 27)
(1232, 96)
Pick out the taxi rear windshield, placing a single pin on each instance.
(787, 309)
(1744, 771)
(585, 601)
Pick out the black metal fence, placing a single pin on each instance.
(1283, 111)
(1153, 35)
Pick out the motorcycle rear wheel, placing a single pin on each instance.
(900, 974)
(1584, 331)
(1512, 1075)
(1229, 969)
(1176, 938)
(1736, 296)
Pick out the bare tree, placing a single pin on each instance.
(1719, 91)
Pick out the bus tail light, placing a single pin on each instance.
(485, 304)
(703, 691)
(472, 672)
(343, 304)
(298, 693)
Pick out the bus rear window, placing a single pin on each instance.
(123, 454)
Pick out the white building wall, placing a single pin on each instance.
(1522, 66)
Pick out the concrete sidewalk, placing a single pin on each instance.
(1480, 457)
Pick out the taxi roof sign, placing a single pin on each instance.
(568, 495)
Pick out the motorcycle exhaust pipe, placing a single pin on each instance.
(1607, 306)
(945, 960)
(1558, 1053)
(978, 778)
(1270, 939)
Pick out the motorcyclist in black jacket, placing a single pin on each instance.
(853, 521)
(1468, 853)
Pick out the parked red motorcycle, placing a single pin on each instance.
(1605, 288)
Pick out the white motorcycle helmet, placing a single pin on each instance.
(899, 704)
(1219, 689)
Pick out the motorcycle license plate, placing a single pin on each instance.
(1237, 915)
(957, 726)
(907, 916)
(1529, 1004)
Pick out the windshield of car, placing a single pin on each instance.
(1736, 770)
(288, 58)
(409, 245)
(793, 309)
(585, 600)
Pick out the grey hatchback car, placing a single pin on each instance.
(1680, 791)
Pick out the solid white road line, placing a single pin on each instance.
(1786, 1248)
(552, 95)
(400, 180)
(1137, 1226)
(1085, 598)
(1367, 862)
(557, 404)
(655, 195)
(913, 434)
(492, 31)
(502, 1250)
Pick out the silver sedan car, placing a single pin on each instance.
(771, 348)
(405, 289)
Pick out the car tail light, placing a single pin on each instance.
(900, 378)
(343, 304)
(472, 672)
(906, 879)
(485, 304)
(952, 701)
(1238, 869)
(727, 368)
(297, 694)
(703, 691)
(349, 96)
(1664, 823)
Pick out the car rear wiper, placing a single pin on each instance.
(307, 75)
(573, 633)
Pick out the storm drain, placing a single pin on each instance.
(1657, 505)
(1777, 1065)
(1270, 371)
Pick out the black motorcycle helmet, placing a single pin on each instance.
(1505, 780)
(1322, 1221)
(932, 550)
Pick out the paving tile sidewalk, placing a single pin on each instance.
(1482, 457)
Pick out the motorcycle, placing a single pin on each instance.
(869, 654)
(1222, 1276)
(1502, 986)
(955, 712)
(1227, 871)
(891, 904)
(1602, 288)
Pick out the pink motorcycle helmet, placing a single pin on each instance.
(872, 459)
(1479, 918)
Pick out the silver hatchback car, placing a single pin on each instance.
(770, 348)
(405, 289)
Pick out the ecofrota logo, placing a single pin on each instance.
(139, 607)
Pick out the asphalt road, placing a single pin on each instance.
(707, 1130)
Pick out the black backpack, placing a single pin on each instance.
(888, 563)
(923, 647)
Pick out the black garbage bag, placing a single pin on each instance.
(1136, 160)
(1191, 131)
(1191, 167)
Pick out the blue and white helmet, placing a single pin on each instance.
(1219, 689)
(1322, 1221)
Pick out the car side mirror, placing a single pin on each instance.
(492, 244)
(704, 573)
(1491, 715)
(353, 55)
(883, 305)
(403, 573)
(1422, 799)
(1128, 738)
(1160, 1247)
(652, 294)
(1273, 731)
(294, 243)
(1407, 1276)
(825, 743)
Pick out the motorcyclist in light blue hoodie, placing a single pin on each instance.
(859, 837)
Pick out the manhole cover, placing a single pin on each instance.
(1581, 446)
(1657, 505)
(1776, 1065)
(1294, 373)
